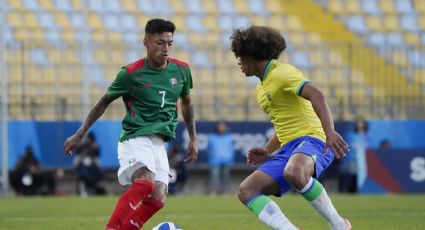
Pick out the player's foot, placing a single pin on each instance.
(347, 223)
(343, 225)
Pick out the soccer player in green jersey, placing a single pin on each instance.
(305, 137)
(150, 88)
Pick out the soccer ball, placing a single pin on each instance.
(167, 226)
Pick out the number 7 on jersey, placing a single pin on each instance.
(163, 97)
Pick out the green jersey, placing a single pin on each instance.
(150, 96)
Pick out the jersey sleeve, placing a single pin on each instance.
(121, 86)
(188, 84)
(292, 80)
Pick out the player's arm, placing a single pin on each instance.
(75, 140)
(257, 155)
(188, 114)
(272, 145)
(321, 107)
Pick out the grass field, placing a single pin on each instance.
(215, 213)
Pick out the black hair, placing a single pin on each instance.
(257, 42)
(365, 124)
(157, 25)
(91, 136)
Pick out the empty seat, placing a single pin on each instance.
(412, 39)
(357, 24)
(371, 7)
(353, 7)
(387, 6)
(374, 23)
(46, 4)
(408, 22)
(404, 6)
(391, 23)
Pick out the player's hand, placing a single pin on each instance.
(337, 144)
(71, 143)
(256, 155)
(192, 152)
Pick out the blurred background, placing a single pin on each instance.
(59, 56)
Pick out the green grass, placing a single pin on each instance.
(215, 213)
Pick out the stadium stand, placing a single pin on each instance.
(363, 54)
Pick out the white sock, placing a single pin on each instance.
(269, 212)
(273, 217)
(319, 199)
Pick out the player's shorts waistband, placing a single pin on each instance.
(160, 136)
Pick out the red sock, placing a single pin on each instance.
(128, 202)
(144, 212)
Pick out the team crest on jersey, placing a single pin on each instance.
(269, 97)
(173, 81)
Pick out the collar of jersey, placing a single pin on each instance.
(156, 69)
(268, 68)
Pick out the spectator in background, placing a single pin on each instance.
(177, 170)
(89, 172)
(353, 170)
(221, 155)
(29, 179)
(385, 144)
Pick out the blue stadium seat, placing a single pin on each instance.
(131, 38)
(181, 40)
(146, 7)
(225, 6)
(416, 58)
(194, 22)
(77, 20)
(300, 59)
(194, 7)
(258, 7)
(225, 22)
(112, 21)
(97, 75)
(395, 39)
(39, 56)
(113, 6)
(357, 24)
(200, 58)
(47, 20)
(409, 22)
(62, 5)
(371, 7)
(53, 36)
(376, 39)
(128, 21)
(95, 5)
(404, 6)
(31, 4)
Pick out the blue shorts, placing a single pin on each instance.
(311, 146)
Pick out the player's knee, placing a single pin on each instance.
(296, 176)
(160, 191)
(143, 174)
(245, 192)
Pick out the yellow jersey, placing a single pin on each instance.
(278, 94)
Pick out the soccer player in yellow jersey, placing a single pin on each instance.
(305, 137)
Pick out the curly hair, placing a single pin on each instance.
(258, 42)
(157, 25)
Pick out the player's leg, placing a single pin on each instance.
(307, 161)
(137, 167)
(147, 208)
(214, 179)
(153, 203)
(142, 186)
(254, 193)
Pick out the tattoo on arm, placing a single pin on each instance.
(95, 113)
